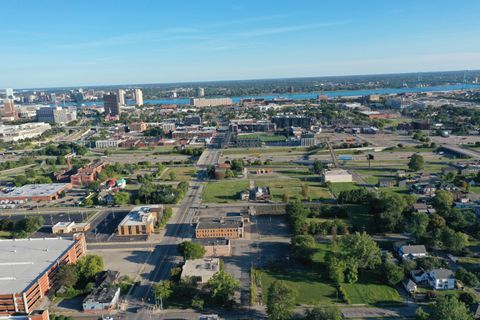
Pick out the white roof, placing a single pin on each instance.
(24, 260)
(138, 216)
(35, 190)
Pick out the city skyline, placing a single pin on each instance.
(112, 43)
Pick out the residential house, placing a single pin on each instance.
(412, 251)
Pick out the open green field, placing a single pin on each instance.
(293, 188)
(224, 191)
(311, 290)
(181, 173)
(368, 293)
(338, 187)
(265, 137)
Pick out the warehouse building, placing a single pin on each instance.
(336, 175)
(28, 270)
(36, 192)
(140, 221)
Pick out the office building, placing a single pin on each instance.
(140, 221)
(22, 131)
(192, 120)
(111, 105)
(138, 97)
(56, 115)
(29, 268)
(200, 92)
(9, 94)
(219, 228)
(36, 192)
(121, 97)
(9, 111)
(212, 102)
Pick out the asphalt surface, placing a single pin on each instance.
(165, 255)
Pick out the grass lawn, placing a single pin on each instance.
(311, 290)
(369, 293)
(469, 263)
(293, 187)
(224, 191)
(338, 187)
(181, 173)
(265, 137)
(5, 234)
(256, 151)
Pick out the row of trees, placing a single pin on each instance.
(79, 277)
(22, 228)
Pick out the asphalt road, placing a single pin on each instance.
(165, 255)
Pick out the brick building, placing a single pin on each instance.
(28, 270)
(220, 228)
(87, 174)
(36, 192)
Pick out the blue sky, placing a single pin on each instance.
(90, 42)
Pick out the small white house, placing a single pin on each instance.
(438, 279)
(412, 251)
(441, 279)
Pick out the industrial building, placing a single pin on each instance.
(336, 175)
(140, 221)
(22, 131)
(200, 270)
(29, 268)
(36, 192)
(220, 228)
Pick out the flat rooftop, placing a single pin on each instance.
(337, 172)
(22, 261)
(205, 267)
(139, 215)
(219, 223)
(212, 242)
(36, 190)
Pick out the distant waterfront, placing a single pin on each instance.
(313, 95)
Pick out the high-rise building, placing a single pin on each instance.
(9, 110)
(200, 92)
(138, 97)
(9, 93)
(111, 105)
(121, 97)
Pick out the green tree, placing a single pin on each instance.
(88, 266)
(362, 248)
(323, 313)
(454, 241)
(417, 224)
(67, 275)
(304, 191)
(416, 162)
(88, 202)
(468, 278)
(335, 268)
(222, 286)
(163, 290)
(191, 250)
(280, 301)
(443, 201)
(121, 198)
(450, 308)
(302, 247)
(393, 273)
(172, 175)
(318, 167)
